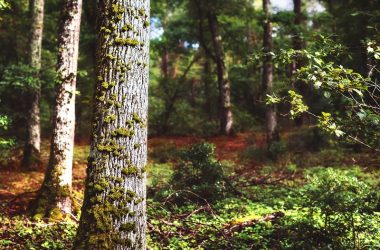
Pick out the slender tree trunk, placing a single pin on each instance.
(297, 36)
(113, 213)
(55, 194)
(254, 70)
(193, 95)
(207, 81)
(226, 118)
(31, 158)
(298, 45)
(169, 69)
(267, 81)
(165, 84)
(371, 67)
(165, 63)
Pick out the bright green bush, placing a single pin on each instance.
(343, 206)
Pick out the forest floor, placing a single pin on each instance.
(18, 188)
(262, 183)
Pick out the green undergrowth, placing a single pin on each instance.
(279, 205)
(81, 153)
(21, 233)
(329, 209)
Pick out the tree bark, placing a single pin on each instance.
(31, 158)
(166, 71)
(207, 81)
(226, 118)
(193, 94)
(165, 63)
(267, 81)
(297, 36)
(55, 194)
(113, 213)
(298, 45)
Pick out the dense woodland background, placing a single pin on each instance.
(263, 124)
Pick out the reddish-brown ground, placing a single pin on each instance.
(18, 188)
(227, 148)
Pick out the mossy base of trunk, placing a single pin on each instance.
(52, 206)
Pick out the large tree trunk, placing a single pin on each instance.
(113, 213)
(226, 118)
(267, 81)
(55, 194)
(31, 158)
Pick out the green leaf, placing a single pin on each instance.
(327, 94)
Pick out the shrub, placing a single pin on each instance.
(343, 206)
(200, 172)
(277, 149)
